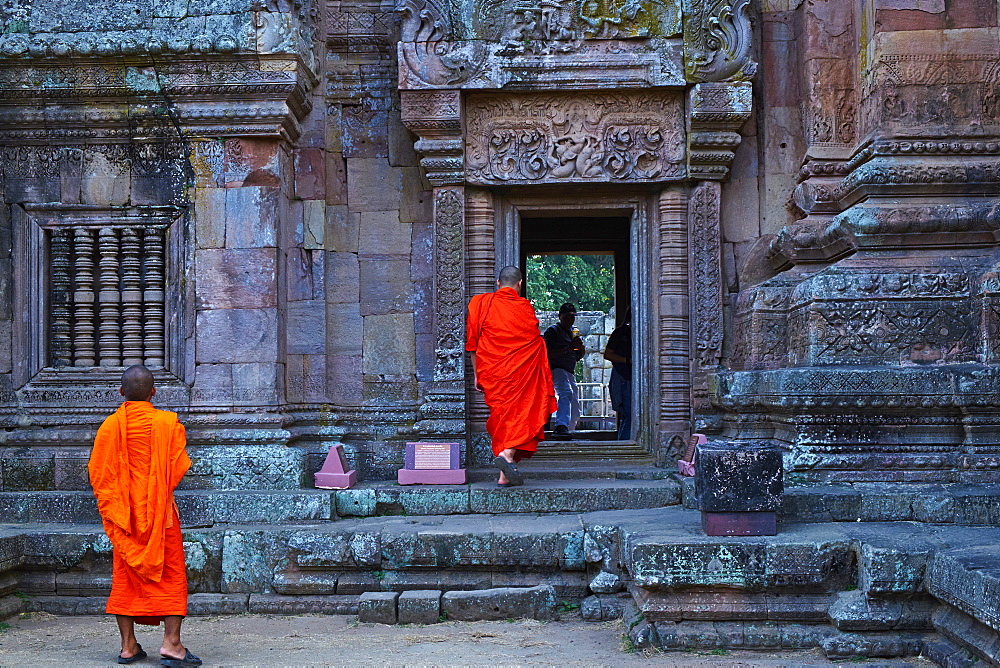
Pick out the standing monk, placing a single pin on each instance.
(137, 461)
(512, 369)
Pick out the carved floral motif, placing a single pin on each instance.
(449, 284)
(637, 137)
(706, 274)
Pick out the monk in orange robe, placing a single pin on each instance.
(137, 461)
(512, 370)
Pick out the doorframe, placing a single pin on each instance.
(659, 285)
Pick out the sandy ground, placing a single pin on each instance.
(311, 640)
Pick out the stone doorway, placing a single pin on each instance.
(583, 236)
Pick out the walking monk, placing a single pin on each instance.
(512, 369)
(137, 461)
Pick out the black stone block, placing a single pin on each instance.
(735, 477)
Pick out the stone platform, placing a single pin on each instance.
(854, 570)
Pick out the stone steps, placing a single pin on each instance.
(970, 505)
(850, 588)
(210, 507)
(535, 496)
(577, 450)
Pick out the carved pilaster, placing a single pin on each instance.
(706, 286)
(446, 397)
(436, 118)
(481, 273)
(716, 113)
(675, 371)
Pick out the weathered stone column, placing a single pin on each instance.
(480, 276)
(435, 116)
(673, 349)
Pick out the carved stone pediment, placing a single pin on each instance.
(526, 43)
(564, 138)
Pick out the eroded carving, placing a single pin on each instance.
(533, 138)
(426, 48)
(717, 40)
(706, 274)
(449, 284)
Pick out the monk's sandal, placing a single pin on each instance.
(189, 661)
(509, 471)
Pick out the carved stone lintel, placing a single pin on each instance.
(563, 138)
(436, 118)
(716, 111)
(717, 40)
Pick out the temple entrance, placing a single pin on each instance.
(585, 261)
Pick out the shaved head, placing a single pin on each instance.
(137, 383)
(509, 277)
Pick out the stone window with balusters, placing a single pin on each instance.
(93, 285)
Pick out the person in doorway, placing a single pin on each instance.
(509, 364)
(565, 349)
(619, 353)
(138, 458)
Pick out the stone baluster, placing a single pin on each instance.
(83, 298)
(132, 352)
(62, 351)
(109, 339)
(152, 297)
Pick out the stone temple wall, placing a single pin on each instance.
(283, 205)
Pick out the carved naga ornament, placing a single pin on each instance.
(426, 48)
(717, 41)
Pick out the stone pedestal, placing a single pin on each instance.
(334, 474)
(432, 464)
(738, 487)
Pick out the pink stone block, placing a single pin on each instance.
(431, 477)
(334, 474)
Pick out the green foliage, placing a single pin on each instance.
(587, 281)
(566, 606)
(21, 595)
(719, 652)
(378, 575)
(627, 645)
(4, 626)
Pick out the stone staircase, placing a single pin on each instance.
(857, 570)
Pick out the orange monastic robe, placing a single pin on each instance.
(137, 461)
(513, 369)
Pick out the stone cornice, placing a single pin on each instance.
(207, 95)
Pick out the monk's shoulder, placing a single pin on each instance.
(110, 422)
(168, 417)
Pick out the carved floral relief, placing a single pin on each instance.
(535, 138)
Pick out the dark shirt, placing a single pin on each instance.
(559, 342)
(620, 343)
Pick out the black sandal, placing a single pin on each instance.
(509, 471)
(188, 661)
(138, 656)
